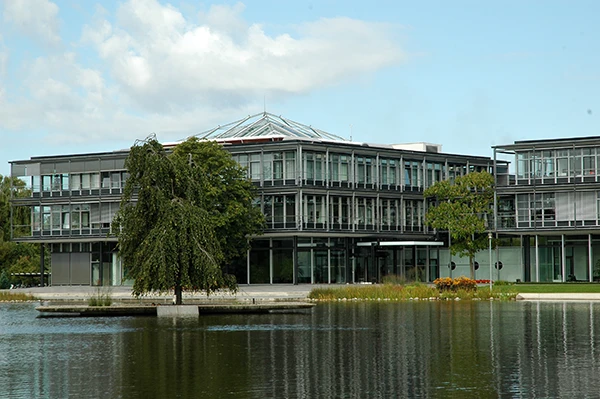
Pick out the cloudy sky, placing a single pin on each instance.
(86, 76)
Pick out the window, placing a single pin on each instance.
(277, 166)
(589, 162)
(255, 166)
(562, 163)
(76, 182)
(86, 181)
(344, 167)
(290, 165)
(95, 180)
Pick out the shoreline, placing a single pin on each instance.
(249, 293)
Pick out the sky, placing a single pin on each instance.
(92, 76)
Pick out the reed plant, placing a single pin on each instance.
(102, 297)
(400, 292)
(374, 292)
(7, 296)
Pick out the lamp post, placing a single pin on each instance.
(490, 251)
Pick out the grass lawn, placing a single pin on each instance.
(551, 288)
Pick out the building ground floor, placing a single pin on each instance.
(350, 260)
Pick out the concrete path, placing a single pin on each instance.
(245, 293)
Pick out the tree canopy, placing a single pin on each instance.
(462, 208)
(182, 215)
(15, 257)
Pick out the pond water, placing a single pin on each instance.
(338, 350)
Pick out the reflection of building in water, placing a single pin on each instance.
(416, 349)
(557, 348)
(424, 350)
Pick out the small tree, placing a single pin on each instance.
(462, 208)
(16, 257)
(167, 236)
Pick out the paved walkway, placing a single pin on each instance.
(245, 293)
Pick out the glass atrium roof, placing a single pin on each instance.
(264, 125)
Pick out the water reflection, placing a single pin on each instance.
(346, 350)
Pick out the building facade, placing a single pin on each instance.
(552, 206)
(337, 211)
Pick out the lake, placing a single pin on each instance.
(338, 350)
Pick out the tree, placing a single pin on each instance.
(15, 257)
(461, 208)
(228, 193)
(166, 224)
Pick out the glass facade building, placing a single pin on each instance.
(336, 211)
(552, 203)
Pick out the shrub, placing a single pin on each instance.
(455, 284)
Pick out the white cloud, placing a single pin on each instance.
(162, 60)
(37, 19)
(155, 69)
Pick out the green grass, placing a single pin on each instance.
(398, 292)
(15, 296)
(552, 288)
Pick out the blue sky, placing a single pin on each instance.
(95, 76)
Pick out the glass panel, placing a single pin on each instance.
(278, 209)
(283, 266)
(304, 261)
(259, 266)
(75, 182)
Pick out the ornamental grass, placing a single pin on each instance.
(443, 289)
(6, 296)
(374, 292)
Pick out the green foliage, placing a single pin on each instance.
(227, 193)
(543, 288)
(461, 207)
(16, 257)
(393, 279)
(4, 280)
(103, 297)
(499, 283)
(182, 215)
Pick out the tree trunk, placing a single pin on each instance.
(178, 295)
(472, 267)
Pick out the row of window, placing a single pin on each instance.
(334, 167)
(274, 166)
(70, 217)
(550, 164)
(281, 211)
(336, 212)
(78, 181)
(560, 209)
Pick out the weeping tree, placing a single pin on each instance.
(228, 193)
(462, 208)
(166, 223)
